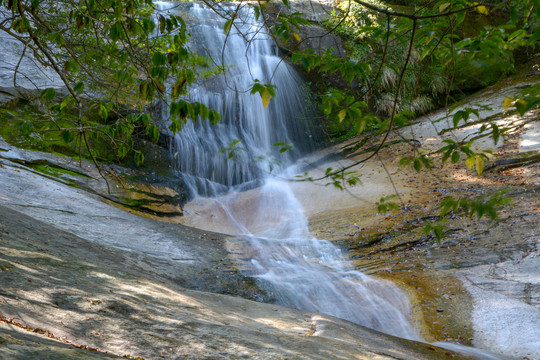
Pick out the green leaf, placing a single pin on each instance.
(446, 155)
(455, 157)
(427, 228)
(514, 15)
(67, 136)
(21, 25)
(527, 103)
(417, 165)
(153, 132)
(116, 32)
(139, 158)
(161, 20)
(461, 114)
(227, 26)
(48, 94)
(214, 117)
(142, 119)
(103, 111)
(460, 17)
(158, 59)
(122, 151)
(496, 133)
(143, 90)
(71, 66)
(257, 11)
(79, 87)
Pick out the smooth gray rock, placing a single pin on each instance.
(101, 298)
(21, 76)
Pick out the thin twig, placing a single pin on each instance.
(392, 117)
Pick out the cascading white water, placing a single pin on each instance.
(302, 272)
(248, 54)
(313, 274)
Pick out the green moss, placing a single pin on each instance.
(55, 170)
(26, 127)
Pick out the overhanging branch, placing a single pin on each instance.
(413, 16)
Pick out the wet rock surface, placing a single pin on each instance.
(198, 260)
(105, 282)
(312, 35)
(479, 285)
(127, 303)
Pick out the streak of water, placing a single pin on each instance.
(312, 274)
(303, 272)
(248, 55)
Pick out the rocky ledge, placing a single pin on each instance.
(83, 279)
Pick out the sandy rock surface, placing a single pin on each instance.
(480, 285)
(105, 282)
(96, 297)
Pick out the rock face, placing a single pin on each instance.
(314, 35)
(507, 298)
(313, 10)
(25, 79)
(81, 202)
(480, 285)
(98, 277)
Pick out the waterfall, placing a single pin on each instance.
(313, 274)
(248, 54)
(300, 271)
(245, 194)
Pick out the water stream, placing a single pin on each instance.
(301, 271)
(249, 55)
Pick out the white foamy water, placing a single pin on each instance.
(313, 274)
(247, 195)
(302, 272)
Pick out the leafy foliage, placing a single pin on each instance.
(417, 162)
(115, 58)
(399, 65)
(387, 203)
(479, 206)
(266, 91)
(339, 178)
(529, 99)
(471, 207)
(233, 148)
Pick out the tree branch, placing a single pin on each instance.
(419, 17)
(394, 108)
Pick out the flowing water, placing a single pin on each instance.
(301, 271)
(249, 55)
